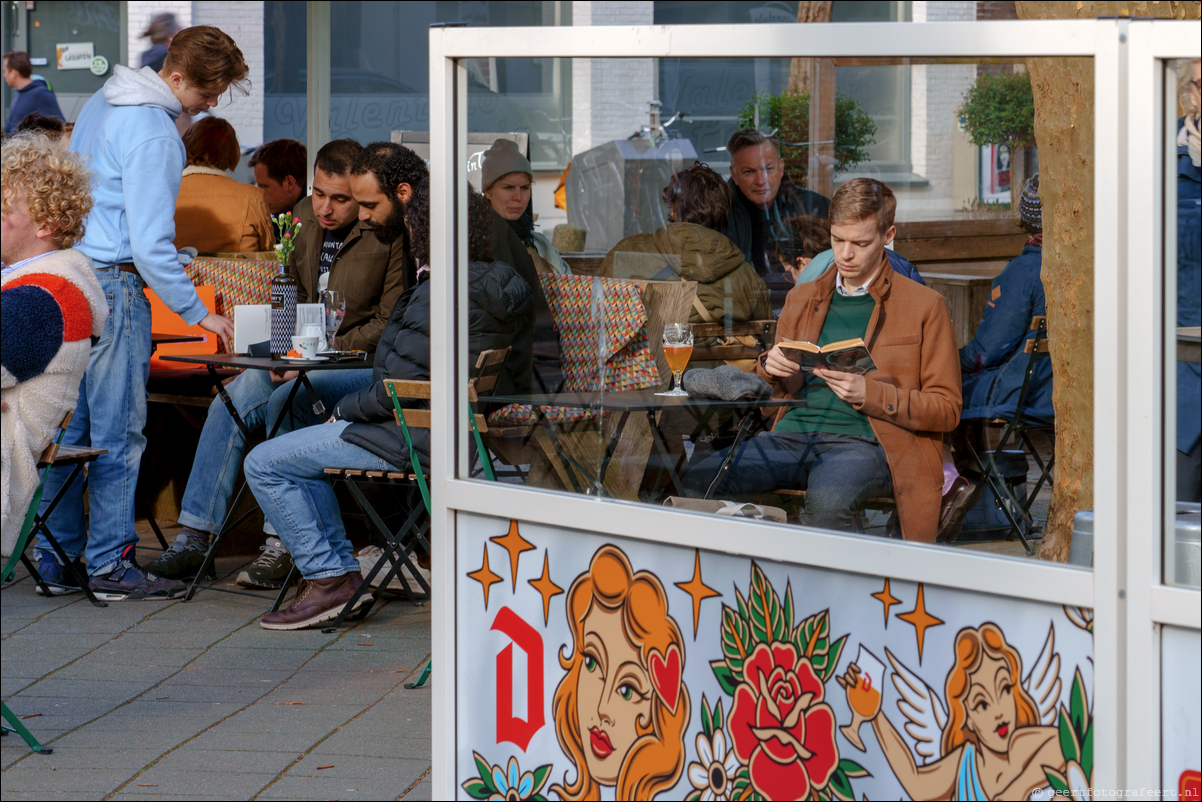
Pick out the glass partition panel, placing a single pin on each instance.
(825, 308)
(1182, 317)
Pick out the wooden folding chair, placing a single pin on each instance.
(1017, 509)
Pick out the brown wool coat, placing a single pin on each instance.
(913, 397)
(370, 275)
(216, 214)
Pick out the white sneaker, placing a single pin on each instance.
(368, 556)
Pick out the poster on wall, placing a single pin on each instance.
(1181, 713)
(995, 174)
(595, 667)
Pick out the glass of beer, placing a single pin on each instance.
(678, 347)
(864, 698)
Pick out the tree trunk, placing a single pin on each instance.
(800, 68)
(1064, 104)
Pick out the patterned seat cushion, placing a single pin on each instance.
(235, 281)
(612, 358)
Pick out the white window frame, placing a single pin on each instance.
(1150, 383)
(1127, 404)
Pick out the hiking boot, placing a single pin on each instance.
(183, 559)
(317, 601)
(270, 570)
(368, 556)
(128, 582)
(58, 578)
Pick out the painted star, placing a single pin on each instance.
(515, 544)
(697, 590)
(887, 599)
(485, 576)
(546, 588)
(921, 620)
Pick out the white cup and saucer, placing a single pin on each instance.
(307, 345)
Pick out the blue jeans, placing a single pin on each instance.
(259, 402)
(838, 472)
(110, 414)
(287, 476)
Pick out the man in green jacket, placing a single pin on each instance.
(335, 251)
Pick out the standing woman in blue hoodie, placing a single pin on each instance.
(126, 134)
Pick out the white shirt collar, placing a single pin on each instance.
(14, 267)
(842, 290)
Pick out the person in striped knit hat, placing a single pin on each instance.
(53, 308)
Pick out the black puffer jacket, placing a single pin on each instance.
(500, 315)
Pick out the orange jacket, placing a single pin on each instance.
(912, 398)
(216, 214)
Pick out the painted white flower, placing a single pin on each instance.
(715, 771)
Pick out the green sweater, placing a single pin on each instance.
(824, 411)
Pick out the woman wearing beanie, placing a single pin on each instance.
(507, 178)
(993, 365)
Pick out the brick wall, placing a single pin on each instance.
(935, 94)
(996, 10)
(609, 96)
(242, 20)
(141, 12)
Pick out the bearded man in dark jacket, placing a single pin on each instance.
(287, 474)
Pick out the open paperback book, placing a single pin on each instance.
(850, 356)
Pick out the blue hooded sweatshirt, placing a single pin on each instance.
(126, 134)
(36, 96)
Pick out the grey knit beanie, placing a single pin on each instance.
(1030, 210)
(502, 159)
(725, 382)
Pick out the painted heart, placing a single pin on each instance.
(666, 674)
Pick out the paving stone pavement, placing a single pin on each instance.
(172, 700)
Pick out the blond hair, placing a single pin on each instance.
(1184, 69)
(861, 198)
(57, 186)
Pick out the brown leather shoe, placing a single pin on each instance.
(317, 601)
(954, 508)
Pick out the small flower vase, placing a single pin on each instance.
(283, 314)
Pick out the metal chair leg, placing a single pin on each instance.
(423, 679)
(14, 725)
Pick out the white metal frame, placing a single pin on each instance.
(1150, 318)
(1127, 455)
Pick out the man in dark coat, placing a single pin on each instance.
(764, 201)
(286, 473)
(994, 364)
(32, 93)
(1189, 290)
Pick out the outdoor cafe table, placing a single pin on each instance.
(630, 402)
(214, 362)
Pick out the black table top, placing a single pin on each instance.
(261, 363)
(637, 401)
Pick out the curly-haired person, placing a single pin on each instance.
(52, 308)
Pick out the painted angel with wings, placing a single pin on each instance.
(995, 736)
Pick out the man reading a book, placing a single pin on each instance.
(855, 435)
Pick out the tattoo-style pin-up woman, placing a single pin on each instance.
(622, 709)
(996, 740)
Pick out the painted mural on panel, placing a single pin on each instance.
(604, 668)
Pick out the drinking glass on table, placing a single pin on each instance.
(335, 303)
(678, 347)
